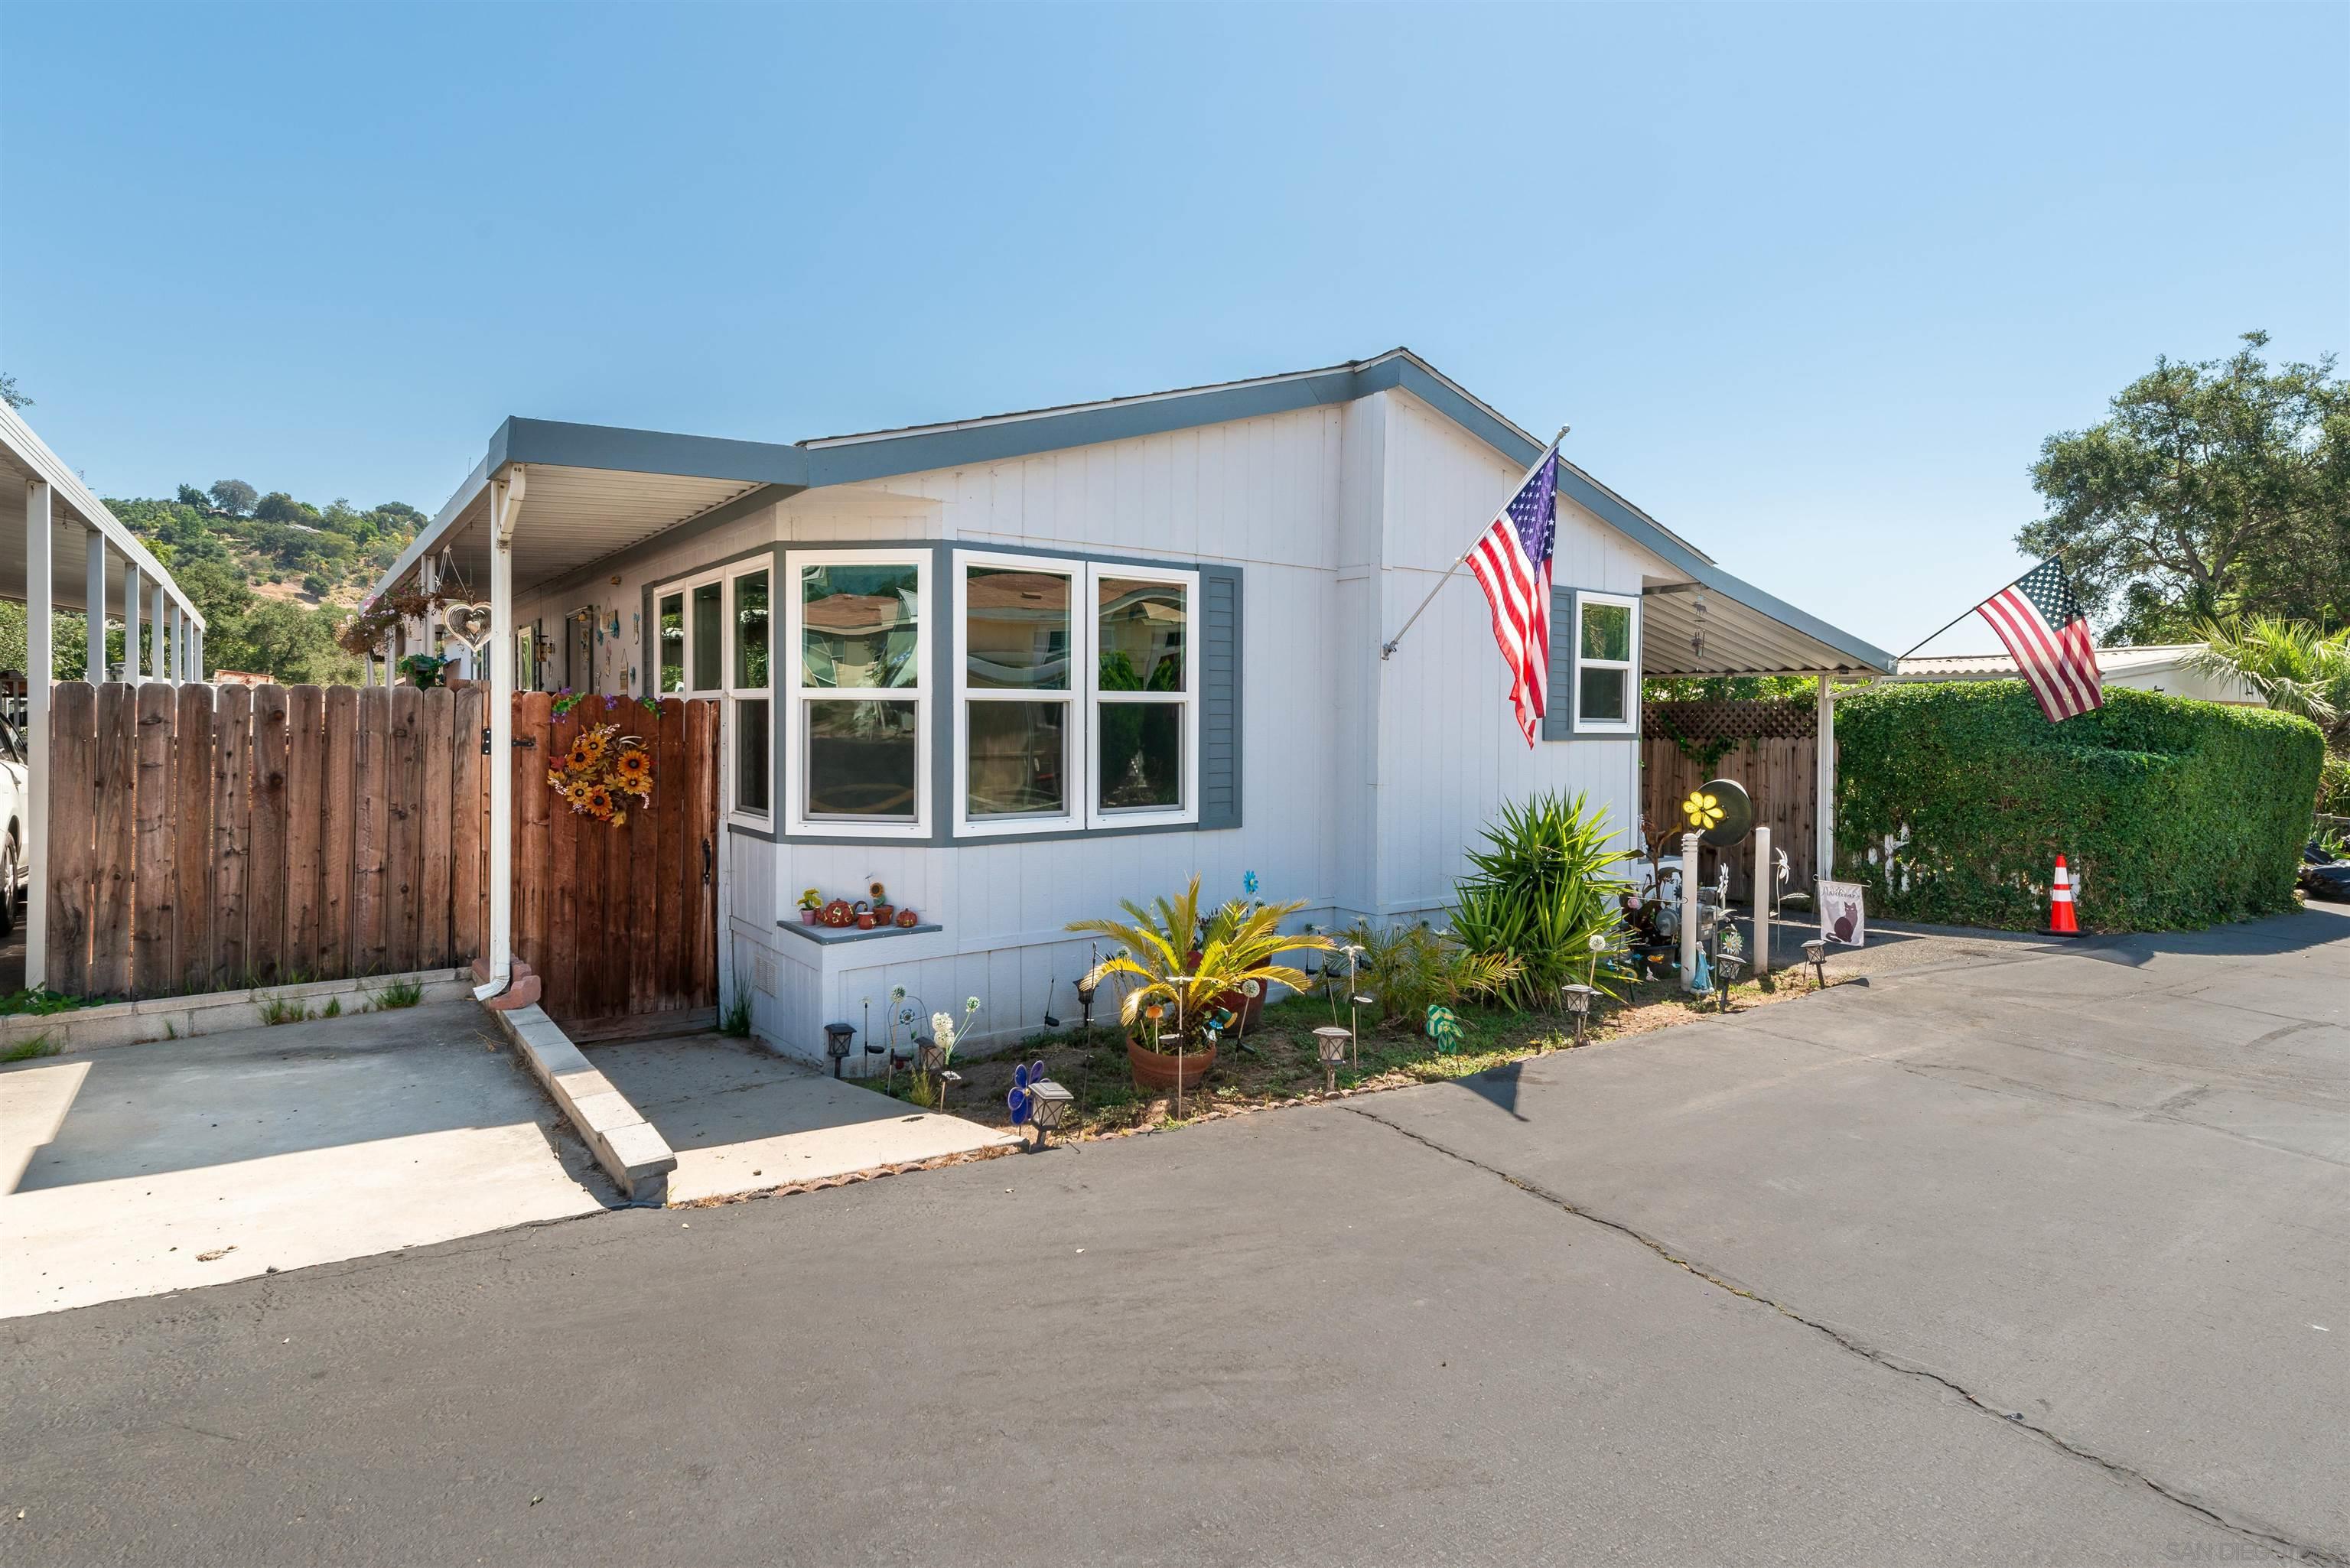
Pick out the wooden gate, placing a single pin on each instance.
(619, 922)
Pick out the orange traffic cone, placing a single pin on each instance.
(2060, 922)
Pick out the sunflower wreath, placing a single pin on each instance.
(602, 772)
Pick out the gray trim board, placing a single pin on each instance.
(829, 936)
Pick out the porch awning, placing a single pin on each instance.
(1716, 625)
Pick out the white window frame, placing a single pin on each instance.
(1075, 729)
(792, 698)
(1096, 816)
(731, 617)
(683, 588)
(1630, 723)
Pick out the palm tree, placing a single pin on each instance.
(1236, 944)
(2294, 666)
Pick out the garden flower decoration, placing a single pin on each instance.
(602, 772)
(1703, 810)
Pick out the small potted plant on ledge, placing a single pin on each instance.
(1185, 967)
(811, 900)
(882, 909)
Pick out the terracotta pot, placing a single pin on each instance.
(864, 922)
(882, 913)
(1153, 1070)
(907, 918)
(807, 917)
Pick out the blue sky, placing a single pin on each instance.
(1810, 283)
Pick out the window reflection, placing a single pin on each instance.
(859, 626)
(1141, 634)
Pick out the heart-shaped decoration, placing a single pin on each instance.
(469, 624)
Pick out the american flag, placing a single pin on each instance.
(2044, 628)
(1511, 560)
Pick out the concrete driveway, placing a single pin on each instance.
(145, 1168)
(2016, 1258)
(741, 1119)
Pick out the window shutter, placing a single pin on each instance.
(1558, 705)
(1219, 697)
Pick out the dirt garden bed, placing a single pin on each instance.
(1277, 1064)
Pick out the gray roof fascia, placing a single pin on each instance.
(844, 460)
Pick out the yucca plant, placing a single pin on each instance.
(1544, 891)
(1235, 943)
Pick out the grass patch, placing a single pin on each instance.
(280, 1010)
(29, 1050)
(1277, 1064)
(736, 1018)
(397, 994)
(40, 1002)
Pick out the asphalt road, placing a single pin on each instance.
(2017, 1259)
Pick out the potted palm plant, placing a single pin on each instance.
(1185, 967)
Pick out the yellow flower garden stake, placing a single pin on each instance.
(1703, 810)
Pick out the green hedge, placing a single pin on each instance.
(2177, 812)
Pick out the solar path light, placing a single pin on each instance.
(1330, 1042)
(1727, 967)
(836, 1044)
(1578, 1003)
(1037, 1101)
(1816, 953)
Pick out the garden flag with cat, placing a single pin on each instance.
(1511, 560)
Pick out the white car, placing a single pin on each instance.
(14, 811)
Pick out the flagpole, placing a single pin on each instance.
(1388, 646)
(1963, 614)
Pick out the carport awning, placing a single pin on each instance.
(1717, 624)
(74, 515)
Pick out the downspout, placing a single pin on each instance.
(505, 504)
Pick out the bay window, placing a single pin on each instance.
(1607, 664)
(670, 622)
(1015, 688)
(747, 691)
(857, 626)
(1075, 705)
(1145, 721)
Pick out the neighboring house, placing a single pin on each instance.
(2163, 668)
(1022, 667)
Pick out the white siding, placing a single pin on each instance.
(1449, 751)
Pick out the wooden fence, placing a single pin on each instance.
(209, 838)
(214, 838)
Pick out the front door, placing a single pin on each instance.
(579, 649)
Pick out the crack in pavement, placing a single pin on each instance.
(2299, 1551)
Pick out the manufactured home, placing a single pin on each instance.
(1019, 668)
